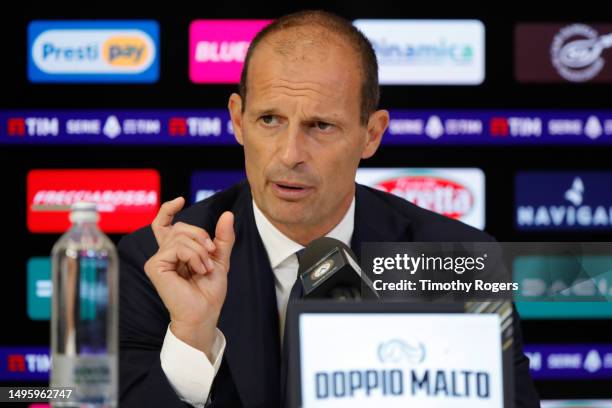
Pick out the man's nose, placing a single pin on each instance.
(293, 147)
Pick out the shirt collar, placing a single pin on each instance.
(279, 247)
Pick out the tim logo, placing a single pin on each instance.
(25, 363)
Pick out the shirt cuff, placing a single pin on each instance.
(188, 369)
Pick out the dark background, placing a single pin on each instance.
(174, 90)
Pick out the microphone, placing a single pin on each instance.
(329, 270)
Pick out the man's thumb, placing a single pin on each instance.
(224, 237)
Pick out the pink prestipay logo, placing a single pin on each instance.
(217, 49)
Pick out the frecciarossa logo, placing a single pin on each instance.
(100, 51)
(126, 199)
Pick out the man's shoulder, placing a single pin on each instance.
(425, 225)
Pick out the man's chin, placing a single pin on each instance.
(288, 212)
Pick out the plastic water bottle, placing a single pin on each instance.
(84, 316)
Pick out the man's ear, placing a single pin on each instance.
(377, 124)
(235, 110)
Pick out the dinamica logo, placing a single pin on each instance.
(126, 199)
(217, 48)
(93, 51)
(455, 193)
(427, 52)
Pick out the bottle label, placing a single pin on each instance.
(93, 284)
(94, 377)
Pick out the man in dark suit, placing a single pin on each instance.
(204, 291)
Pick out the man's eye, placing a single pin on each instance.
(269, 120)
(323, 125)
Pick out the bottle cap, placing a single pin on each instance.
(83, 211)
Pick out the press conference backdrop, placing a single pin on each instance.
(496, 120)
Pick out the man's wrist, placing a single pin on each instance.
(198, 336)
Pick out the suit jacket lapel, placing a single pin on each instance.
(249, 318)
(373, 224)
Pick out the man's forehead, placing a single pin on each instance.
(300, 65)
(303, 38)
(312, 98)
(290, 50)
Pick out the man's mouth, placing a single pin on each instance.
(290, 191)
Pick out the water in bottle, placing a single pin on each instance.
(84, 318)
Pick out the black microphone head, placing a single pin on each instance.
(317, 249)
(329, 269)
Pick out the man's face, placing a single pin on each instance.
(301, 130)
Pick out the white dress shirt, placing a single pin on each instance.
(188, 369)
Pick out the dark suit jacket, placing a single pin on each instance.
(249, 375)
